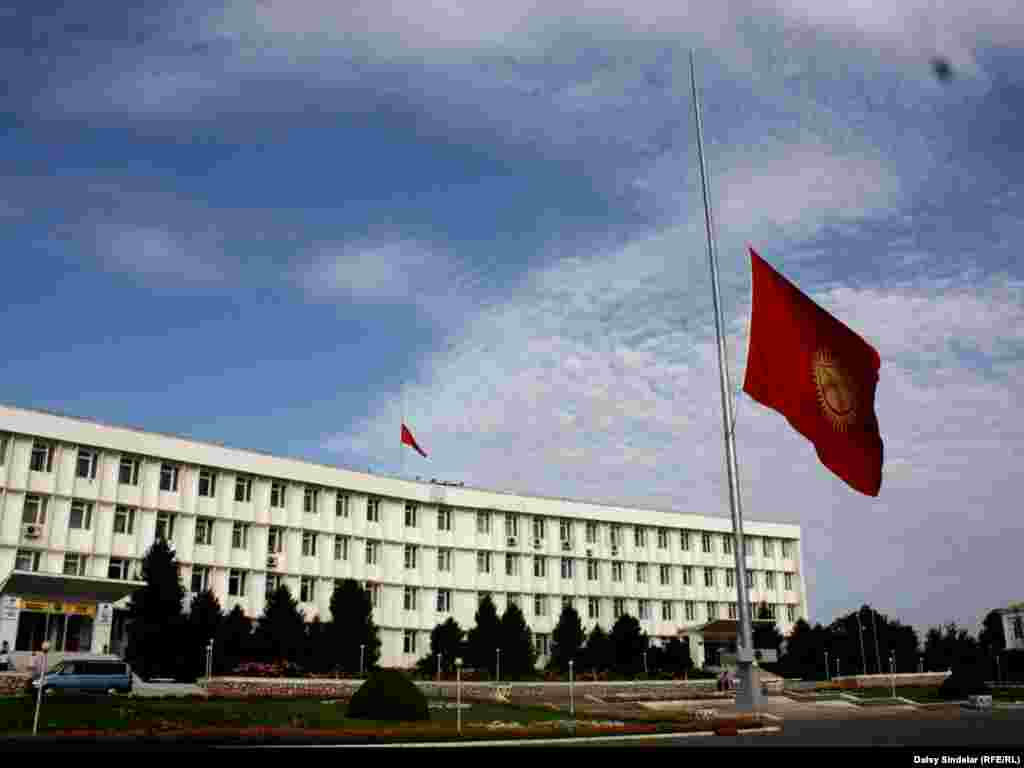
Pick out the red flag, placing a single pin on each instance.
(408, 439)
(819, 374)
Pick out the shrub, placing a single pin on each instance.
(389, 695)
(965, 681)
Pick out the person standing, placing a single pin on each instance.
(5, 657)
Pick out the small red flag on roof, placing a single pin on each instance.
(408, 439)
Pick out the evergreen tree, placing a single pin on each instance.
(157, 624)
(675, 657)
(805, 652)
(597, 655)
(518, 656)
(281, 630)
(352, 626)
(485, 636)
(204, 624)
(316, 655)
(950, 647)
(766, 633)
(235, 643)
(628, 645)
(566, 640)
(448, 640)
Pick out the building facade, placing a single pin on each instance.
(81, 502)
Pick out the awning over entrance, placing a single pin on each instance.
(83, 588)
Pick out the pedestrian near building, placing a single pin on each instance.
(5, 657)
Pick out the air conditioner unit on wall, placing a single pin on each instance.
(511, 541)
(590, 553)
(615, 551)
(271, 561)
(566, 545)
(33, 531)
(536, 543)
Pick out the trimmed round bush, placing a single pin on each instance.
(965, 681)
(389, 695)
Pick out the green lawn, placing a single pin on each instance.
(931, 695)
(114, 713)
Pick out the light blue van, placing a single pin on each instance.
(88, 675)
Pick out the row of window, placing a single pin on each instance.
(129, 469)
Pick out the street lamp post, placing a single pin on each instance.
(999, 670)
(572, 693)
(828, 676)
(439, 667)
(645, 662)
(458, 693)
(860, 633)
(209, 662)
(892, 670)
(878, 655)
(497, 668)
(39, 695)
(837, 666)
(362, 650)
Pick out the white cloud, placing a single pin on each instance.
(157, 252)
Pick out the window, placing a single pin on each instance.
(308, 544)
(124, 520)
(236, 583)
(639, 536)
(444, 560)
(709, 577)
(128, 471)
(372, 552)
(705, 541)
(341, 505)
(409, 641)
(565, 530)
(375, 593)
(3, 448)
(310, 497)
(483, 522)
(273, 582)
(791, 616)
(727, 544)
(410, 515)
(275, 541)
(769, 580)
(771, 611)
(42, 457)
(243, 489)
(662, 538)
(117, 569)
(591, 533)
(515, 599)
(169, 477)
(567, 567)
(86, 464)
(730, 577)
(165, 526)
(767, 548)
(666, 575)
(511, 525)
(538, 527)
(787, 549)
(411, 594)
(540, 605)
(542, 644)
(81, 515)
(691, 610)
(444, 601)
(788, 580)
(712, 611)
(687, 575)
(207, 483)
(644, 609)
(34, 510)
(204, 533)
(593, 608)
(540, 567)
(410, 556)
(618, 607)
(591, 570)
(641, 572)
(307, 589)
(511, 565)
(373, 510)
(200, 578)
(483, 562)
(732, 610)
(74, 564)
(277, 494)
(240, 536)
(616, 535)
(341, 547)
(684, 540)
(748, 547)
(616, 571)
(444, 519)
(751, 581)
(567, 602)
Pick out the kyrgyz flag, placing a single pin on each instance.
(408, 439)
(819, 374)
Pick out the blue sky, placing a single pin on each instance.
(270, 224)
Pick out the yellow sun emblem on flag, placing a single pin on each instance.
(837, 393)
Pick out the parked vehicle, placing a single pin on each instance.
(87, 675)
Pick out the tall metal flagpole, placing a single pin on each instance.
(749, 694)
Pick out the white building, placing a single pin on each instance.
(81, 502)
(1013, 626)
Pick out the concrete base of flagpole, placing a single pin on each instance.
(749, 697)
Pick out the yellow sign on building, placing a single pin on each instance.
(79, 609)
(39, 606)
